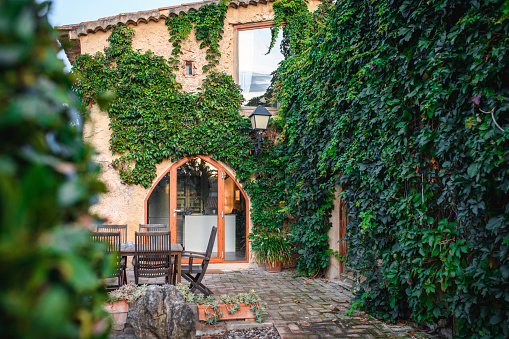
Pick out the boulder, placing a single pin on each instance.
(162, 313)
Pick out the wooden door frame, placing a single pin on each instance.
(342, 233)
(173, 202)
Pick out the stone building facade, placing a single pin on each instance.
(129, 204)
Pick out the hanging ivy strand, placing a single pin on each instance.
(208, 22)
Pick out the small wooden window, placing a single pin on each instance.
(189, 68)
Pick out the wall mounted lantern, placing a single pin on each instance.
(259, 121)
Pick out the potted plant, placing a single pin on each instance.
(271, 248)
(245, 306)
(119, 301)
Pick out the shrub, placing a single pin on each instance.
(129, 292)
(49, 288)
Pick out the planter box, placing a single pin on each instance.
(244, 312)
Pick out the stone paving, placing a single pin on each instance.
(300, 307)
(306, 308)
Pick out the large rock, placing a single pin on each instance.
(162, 313)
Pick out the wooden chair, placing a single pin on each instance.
(115, 228)
(194, 273)
(123, 237)
(152, 256)
(154, 228)
(112, 240)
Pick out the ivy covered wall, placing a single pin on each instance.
(405, 105)
(154, 119)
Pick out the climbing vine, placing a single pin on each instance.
(151, 119)
(388, 101)
(207, 22)
(298, 22)
(307, 196)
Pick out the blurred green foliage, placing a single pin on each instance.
(49, 287)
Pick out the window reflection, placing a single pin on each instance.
(234, 221)
(256, 67)
(158, 207)
(189, 68)
(197, 208)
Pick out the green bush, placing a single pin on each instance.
(388, 101)
(271, 247)
(49, 288)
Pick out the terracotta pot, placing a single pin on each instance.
(243, 313)
(118, 310)
(274, 268)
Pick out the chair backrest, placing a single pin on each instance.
(152, 255)
(210, 247)
(154, 228)
(152, 242)
(112, 240)
(115, 228)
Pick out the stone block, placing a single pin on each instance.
(162, 313)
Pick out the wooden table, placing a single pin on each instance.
(176, 251)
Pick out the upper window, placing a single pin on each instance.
(188, 68)
(255, 66)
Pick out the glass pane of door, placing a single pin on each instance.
(158, 206)
(197, 205)
(234, 221)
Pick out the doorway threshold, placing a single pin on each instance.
(220, 267)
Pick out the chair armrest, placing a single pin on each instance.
(197, 255)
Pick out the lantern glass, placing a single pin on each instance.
(260, 118)
(261, 121)
(253, 121)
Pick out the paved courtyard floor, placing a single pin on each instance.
(303, 307)
(306, 308)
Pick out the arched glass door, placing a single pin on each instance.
(196, 195)
(197, 208)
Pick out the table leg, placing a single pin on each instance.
(179, 266)
(124, 276)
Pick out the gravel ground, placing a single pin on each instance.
(262, 332)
